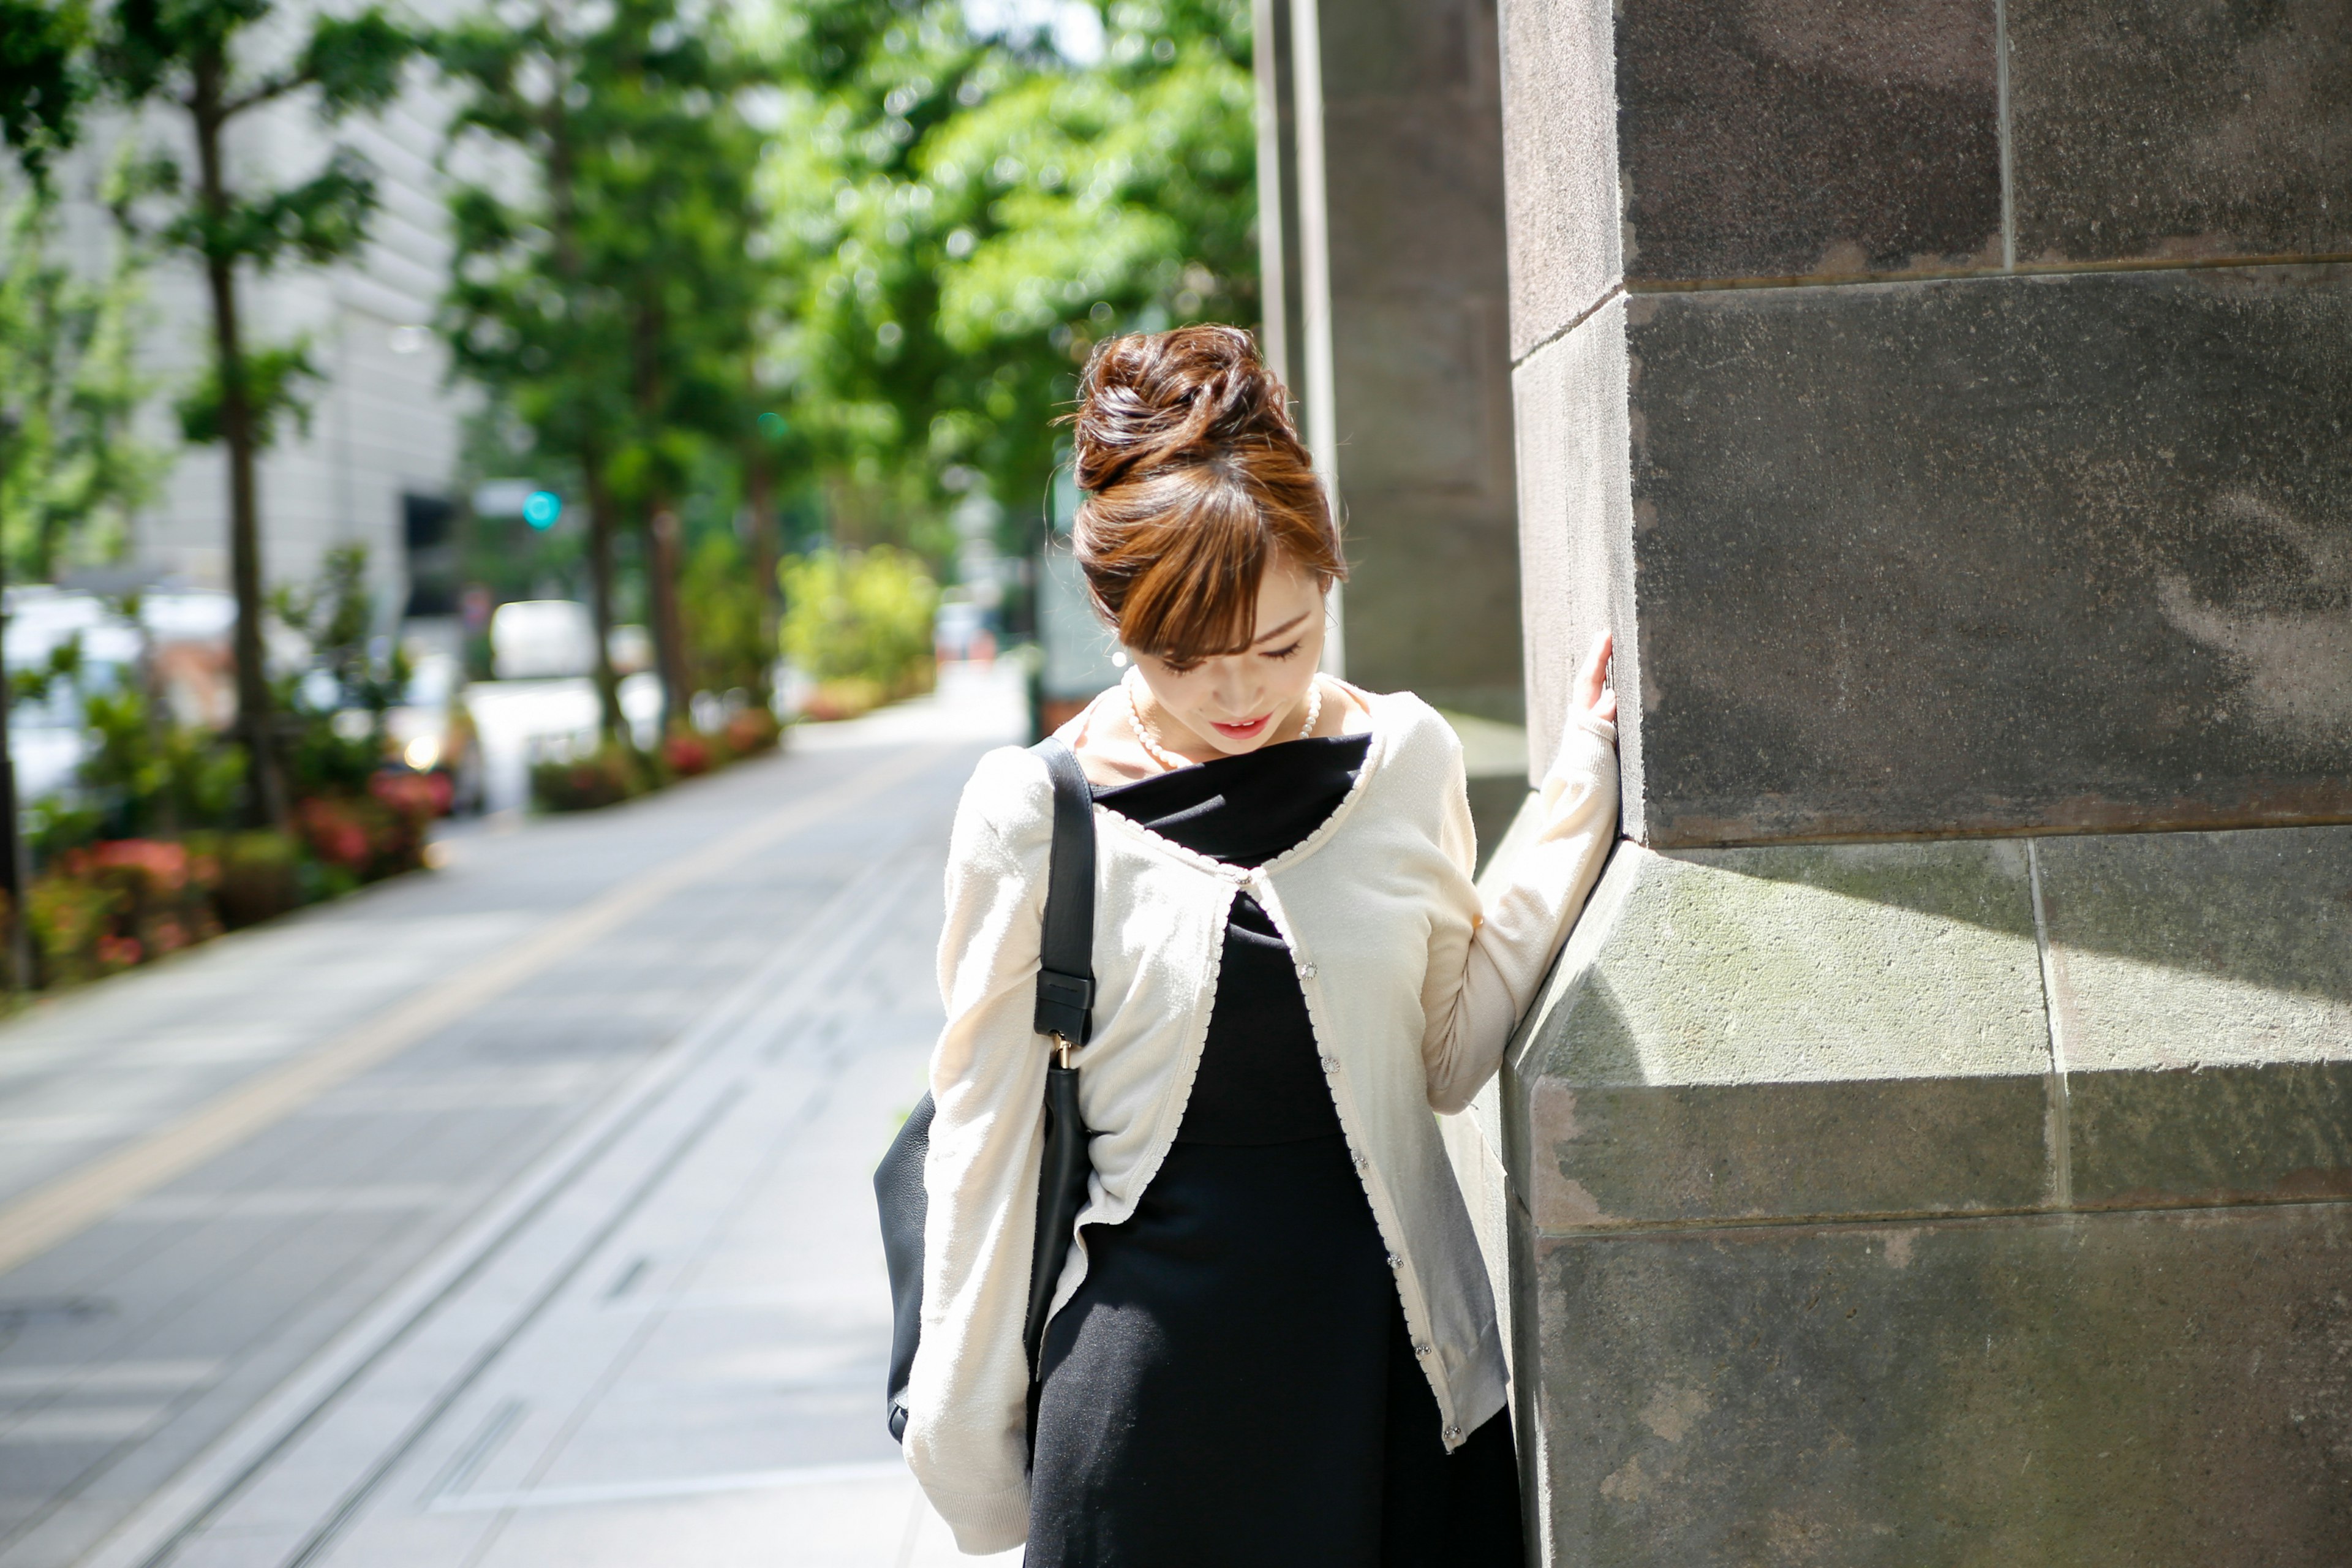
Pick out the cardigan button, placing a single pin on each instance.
(1331, 1064)
(1358, 1159)
(1420, 1350)
(1394, 1262)
(1453, 1434)
(1307, 972)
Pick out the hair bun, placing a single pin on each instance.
(1148, 400)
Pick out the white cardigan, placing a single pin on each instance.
(1411, 996)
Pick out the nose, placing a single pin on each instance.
(1234, 689)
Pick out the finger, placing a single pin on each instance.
(1594, 675)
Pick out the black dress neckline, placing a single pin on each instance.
(1245, 810)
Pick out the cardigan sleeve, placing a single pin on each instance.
(1477, 988)
(967, 1395)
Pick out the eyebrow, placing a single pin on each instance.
(1269, 636)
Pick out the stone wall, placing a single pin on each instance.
(1397, 319)
(1934, 1145)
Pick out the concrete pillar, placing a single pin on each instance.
(1381, 143)
(1934, 1145)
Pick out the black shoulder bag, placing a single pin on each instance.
(1066, 994)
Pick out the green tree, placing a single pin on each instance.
(966, 217)
(44, 79)
(72, 470)
(44, 83)
(612, 306)
(190, 58)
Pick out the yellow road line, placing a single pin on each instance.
(80, 1198)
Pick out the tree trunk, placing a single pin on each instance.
(14, 876)
(560, 207)
(669, 630)
(264, 785)
(758, 502)
(600, 595)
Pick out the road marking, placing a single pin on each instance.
(273, 1202)
(116, 1378)
(79, 1199)
(683, 1485)
(107, 1423)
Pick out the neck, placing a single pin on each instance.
(1173, 736)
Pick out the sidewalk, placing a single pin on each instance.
(582, 1268)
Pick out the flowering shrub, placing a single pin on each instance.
(686, 752)
(111, 905)
(368, 837)
(583, 784)
(751, 729)
(68, 915)
(260, 877)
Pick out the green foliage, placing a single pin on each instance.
(43, 82)
(144, 776)
(605, 777)
(609, 303)
(119, 903)
(276, 383)
(72, 472)
(186, 56)
(335, 707)
(860, 614)
(726, 647)
(962, 218)
(260, 876)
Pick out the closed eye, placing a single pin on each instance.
(1286, 652)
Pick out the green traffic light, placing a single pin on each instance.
(542, 508)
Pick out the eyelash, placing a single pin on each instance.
(1175, 668)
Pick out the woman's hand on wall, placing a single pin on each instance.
(1592, 699)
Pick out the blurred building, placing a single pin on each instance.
(376, 464)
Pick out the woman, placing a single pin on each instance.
(1273, 1341)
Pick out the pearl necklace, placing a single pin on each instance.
(1169, 760)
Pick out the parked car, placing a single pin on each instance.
(541, 639)
(431, 732)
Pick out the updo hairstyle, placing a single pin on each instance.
(1195, 478)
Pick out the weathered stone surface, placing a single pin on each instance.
(1576, 529)
(1559, 152)
(2180, 131)
(1789, 1032)
(1421, 407)
(1987, 555)
(2201, 985)
(2275, 1134)
(2200, 950)
(1787, 138)
(2094, 1392)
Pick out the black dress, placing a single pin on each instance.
(1234, 1383)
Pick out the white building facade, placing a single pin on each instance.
(376, 464)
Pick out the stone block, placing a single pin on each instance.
(1790, 137)
(1421, 407)
(1559, 162)
(2180, 132)
(2201, 989)
(1790, 1032)
(2097, 1392)
(1973, 556)
(1576, 529)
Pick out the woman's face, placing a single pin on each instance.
(1237, 703)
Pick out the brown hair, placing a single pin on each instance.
(1195, 478)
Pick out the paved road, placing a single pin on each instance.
(513, 1214)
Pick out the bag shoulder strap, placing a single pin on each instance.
(1066, 972)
